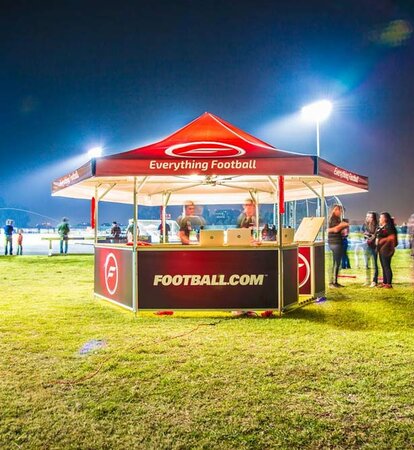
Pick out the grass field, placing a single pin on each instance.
(332, 375)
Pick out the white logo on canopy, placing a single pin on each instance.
(204, 149)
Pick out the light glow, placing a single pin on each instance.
(317, 111)
(95, 152)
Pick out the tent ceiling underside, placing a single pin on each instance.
(206, 191)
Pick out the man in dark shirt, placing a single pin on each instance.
(188, 222)
(247, 218)
(8, 237)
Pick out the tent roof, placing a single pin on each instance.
(208, 160)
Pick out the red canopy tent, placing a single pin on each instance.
(207, 152)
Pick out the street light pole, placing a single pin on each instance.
(318, 149)
(317, 112)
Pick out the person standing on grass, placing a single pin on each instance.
(410, 230)
(335, 227)
(387, 241)
(63, 230)
(369, 228)
(20, 242)
(345, 244)
(8, 237)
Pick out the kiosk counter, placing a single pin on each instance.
(172, 276)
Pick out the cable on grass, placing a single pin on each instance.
(90, 375)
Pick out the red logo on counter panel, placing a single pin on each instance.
(111, 273)
(304, 270)
(205, 150)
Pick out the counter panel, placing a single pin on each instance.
(206, 279)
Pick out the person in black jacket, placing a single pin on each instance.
(387, 241)
(335, 227)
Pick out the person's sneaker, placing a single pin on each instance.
(380, 285)
(338, 285)
(387, 286)
(373, 284)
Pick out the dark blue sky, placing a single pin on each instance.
(79, 73)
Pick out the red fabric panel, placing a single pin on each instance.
(225, 166)
(281, 195)
(210, 136)
(336, 173)
(93, 208)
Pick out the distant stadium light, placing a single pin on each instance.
(95, 152)
(317, 112)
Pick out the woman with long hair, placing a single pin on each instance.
(387, 241)
(369, 228)
(335, 227)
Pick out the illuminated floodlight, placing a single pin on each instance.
(317, 111)
(95, 152)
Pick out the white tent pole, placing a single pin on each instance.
(134, 253)
(258, 235)
(96, 218)
(323, 211)
(165, 198)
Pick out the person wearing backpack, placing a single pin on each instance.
(387, 241)
(63, 230)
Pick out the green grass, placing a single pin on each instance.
(337, 375)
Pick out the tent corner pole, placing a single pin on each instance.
(134, 253)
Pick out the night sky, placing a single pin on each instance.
(75, 74)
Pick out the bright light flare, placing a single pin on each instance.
(317, 111)
(95, 152)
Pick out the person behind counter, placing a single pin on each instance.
(130, 232)
(335, 227)
(247, 218)
(188, 222)
(115, 232)
(387, 241)
(167, 231)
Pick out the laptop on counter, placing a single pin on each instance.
(211, 238)
(239, 236)
(288, 235)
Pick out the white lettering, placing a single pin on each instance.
(346, 175)
(209, 280)
(202, 166)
